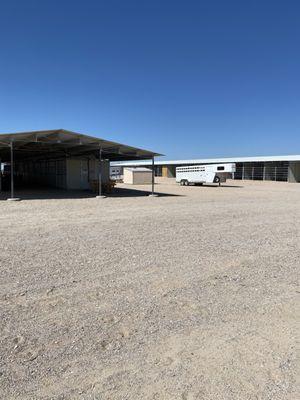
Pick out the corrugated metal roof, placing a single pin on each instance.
(212, 160)
(61, 142)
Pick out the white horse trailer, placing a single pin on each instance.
(199, 174)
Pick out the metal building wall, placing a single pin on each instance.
(269, 171)
(282, 171)
(294, 171)
(158, 170)
(45, 173)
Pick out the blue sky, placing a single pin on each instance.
(184, 78)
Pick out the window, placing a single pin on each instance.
(220, 168)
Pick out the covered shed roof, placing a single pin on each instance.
(221, 160)
(57, 143)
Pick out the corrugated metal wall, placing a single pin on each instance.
(44, 173)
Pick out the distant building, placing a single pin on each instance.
(269, 168)
(137, 176)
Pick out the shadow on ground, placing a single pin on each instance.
(51, 194)
(125, 192)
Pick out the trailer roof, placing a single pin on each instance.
(57, 143)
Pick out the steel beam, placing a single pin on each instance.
(12, 188)
(152, 182)
(100, 195)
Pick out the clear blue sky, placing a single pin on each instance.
(184, 78)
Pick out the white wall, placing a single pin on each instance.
(77, 174)
(94, 170)
(127, 176)
(81, 171)
(136, 177)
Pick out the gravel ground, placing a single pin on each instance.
(190, 295)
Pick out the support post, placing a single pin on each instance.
(100, 173)
(152, 188)
(12, 170)
(152, 183)
(12, 188)
(243, 171)
(100, 195)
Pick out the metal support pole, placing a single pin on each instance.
(100, 173)
(12, 188)
(100, 195)
(243, 172)
(11, 170)
(152, 182)
(152, 176)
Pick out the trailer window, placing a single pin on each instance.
(220, 168)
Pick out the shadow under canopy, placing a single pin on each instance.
(57, 144)
(61, 194)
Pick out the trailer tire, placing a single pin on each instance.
(182, 182)
(186, 183)
(217, 179)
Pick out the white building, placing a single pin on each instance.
(273, 168)
(137, 176)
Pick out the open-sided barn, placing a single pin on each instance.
(61, 159)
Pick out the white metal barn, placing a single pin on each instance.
(137, 176)
(263, 168)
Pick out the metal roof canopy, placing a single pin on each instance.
(210, 161)
(56, 143)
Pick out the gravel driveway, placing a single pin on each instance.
(190, 295)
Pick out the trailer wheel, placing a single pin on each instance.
(186, 183)
(182, 182)
(217, 179)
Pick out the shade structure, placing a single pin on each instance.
(56, 143)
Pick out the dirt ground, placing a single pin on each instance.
(190, 295)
